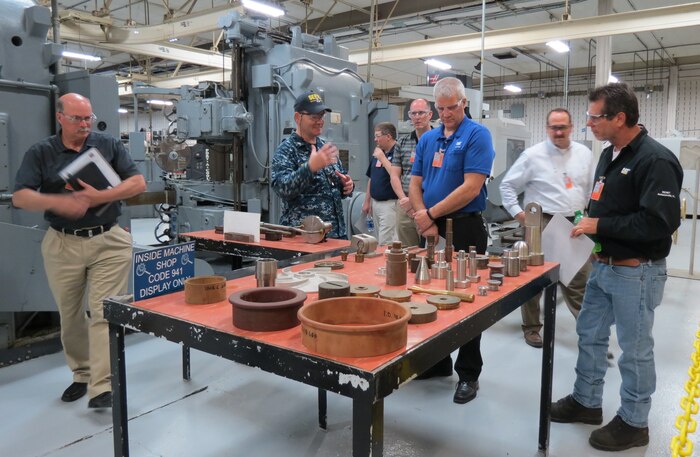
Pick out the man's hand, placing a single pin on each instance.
(71, 206)
(367, 207)
(422, 219)
(520, 217)
(348, 185)
(586, 226)
(430, 231)
(405, 205)
(90, 193)
(319, 159)
(379, 154)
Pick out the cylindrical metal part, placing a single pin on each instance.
(430, 255)
(498, 277)
(364, 290)
(463, 284)
(450, 280)
(493, 284)
(448, 240)
(332, 289)
(483, 291)
(423, 272)
(495, 267)
(414, 264)
(396, 265)
(523, 253)
(482, 261)
(400, 296)
(461, 266)
(343, 255)
(512, 263)
(439, 268)
(359, 257)
(266, 272)
(472, 261)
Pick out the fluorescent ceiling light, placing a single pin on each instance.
(172, 40)
(160, 102)
(78, 55)
(123, 110)
(558, 46)
(438, 64)
(264, 8)
(613, 79)
(512, 88)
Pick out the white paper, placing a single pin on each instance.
(558, 246)
(240, 222)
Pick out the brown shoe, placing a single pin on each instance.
(618, 435)
(533, 338)
(567, 410)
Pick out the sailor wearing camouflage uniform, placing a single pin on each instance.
(306, 172)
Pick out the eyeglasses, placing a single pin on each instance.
(559, 128)
(448, 108)
(315, 117)
(597, 117)
(417, 113)
(79, 119)
(379, 135)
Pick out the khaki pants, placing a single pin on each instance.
(406, 228)
(384, 214)
(97, 267)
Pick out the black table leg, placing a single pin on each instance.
(367, 427)
(120, 417)
(550, 314)
(322, 409)
(186, 362)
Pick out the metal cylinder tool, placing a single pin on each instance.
(533, 232)
(266, 272)
(523, 254)
(423, 272)
(439, 268)
(448, 240)
(396, 265)
(511, 262)
(473, 275)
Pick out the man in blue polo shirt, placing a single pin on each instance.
(448, 180)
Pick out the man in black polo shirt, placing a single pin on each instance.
(633, 211)
(380, 199)
(84, 251)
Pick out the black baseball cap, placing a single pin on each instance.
(310, 102)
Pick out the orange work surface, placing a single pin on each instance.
(218, 316)
(296, 243)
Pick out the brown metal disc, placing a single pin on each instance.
(332, 264)
(444, 301)
(421, 313)
(396, 295)
(332, 289)
(364, 290)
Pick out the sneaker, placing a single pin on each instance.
(465, 391)
(103, 400)
(568, 410)
(618, 435)
(533, 338)
(74, 391)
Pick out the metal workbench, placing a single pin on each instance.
(366, 380)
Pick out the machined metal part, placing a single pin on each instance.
(423, 272)
(493, 284)
(448, 240)
(483, 291)
(482, 261)
(450, 280)
(381, 271)
(465, 284)
(444, 301)
(364, 290)
(511, 262)
(495, 267)
(498, 277)
(534, 222)
(472, 263)
(462, 262)
(332, 289)
(461, 295)
(396, 265)
(366, 244)
(474, 279)
(439, 268)
(313, 230)
(359, 257)
(344, 255)
(400, 295)
(523, 254)
(332, 264)
(266, 272)
(421, 313)
(430, 255)
(414, 263)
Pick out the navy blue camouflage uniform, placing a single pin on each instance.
(304, 193)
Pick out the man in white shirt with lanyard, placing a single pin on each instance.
(558, 174)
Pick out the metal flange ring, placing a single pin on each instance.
(364, 290)
(421, 313)
(332, 264)
(444, 301)
(396, 295)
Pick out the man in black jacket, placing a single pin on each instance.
(633, 211)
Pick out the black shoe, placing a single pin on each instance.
(103, 400)
(74, 391)
(568, 410)
(440, 369)
(466, 391)
(618, 435)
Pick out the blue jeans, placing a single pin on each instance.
(626, 297)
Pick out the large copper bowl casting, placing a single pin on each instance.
(264, 309)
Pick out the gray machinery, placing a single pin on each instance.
(239, 126)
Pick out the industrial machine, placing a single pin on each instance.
(215, 154)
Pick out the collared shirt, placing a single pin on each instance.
(304, 193)
(560, 180)
(404, 158)
(468, 150)
(639, 204)
(380, 178)
(45, 159)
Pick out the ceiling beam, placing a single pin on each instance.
(668, 17)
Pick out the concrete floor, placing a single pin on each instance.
(233, 410)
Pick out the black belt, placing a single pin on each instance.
(86, 232)
(568, 218)
(455, 216)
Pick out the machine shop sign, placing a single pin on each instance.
(162, 270)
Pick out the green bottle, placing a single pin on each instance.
(578, 215)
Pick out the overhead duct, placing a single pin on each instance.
(668, 17)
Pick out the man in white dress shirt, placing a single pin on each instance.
(557, 174)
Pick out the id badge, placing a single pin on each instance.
(568, 183)
(437, 159)
(378, 164)
(413, 156)
(597, 190)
